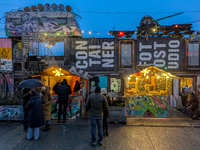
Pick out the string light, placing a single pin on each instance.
(82, 31)
(90, 32)
(58, 72)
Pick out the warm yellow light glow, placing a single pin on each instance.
(167, 76)
(82, 31)
(130, 75)
(53, 71)
(60, 69)
(158, 77)
(147, 77)
(65, 33)
(154, 29)
(129, 78)
(57, 33)
(136, 78)
(45, 34)
(90, 32)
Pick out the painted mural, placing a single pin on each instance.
(53, 23)
(10, 83)
(11, 112)
(6, 54)
(73, 109)
(147, 106)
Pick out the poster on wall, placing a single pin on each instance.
(91, 54)
(115, 85)
(6, 54)
(164, 53)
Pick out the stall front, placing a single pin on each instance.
(54, 75)
(147, 93)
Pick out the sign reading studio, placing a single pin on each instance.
(91, 54)
(164, 53)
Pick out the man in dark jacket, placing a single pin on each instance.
(25, 96)
(63, 91)
(97, 104)
(35, 116)
(56, 86)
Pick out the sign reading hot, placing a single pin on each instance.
(91, 54)
(164, 53)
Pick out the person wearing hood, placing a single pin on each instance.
(77, 86)
(35, 116)
(106, 113)
(48, 98)
(25, 96)
(193, 104)
(184, 99)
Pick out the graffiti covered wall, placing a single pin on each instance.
(147, 106)
(53, 23)
(73, 108)
(11, 112)
(6, 54)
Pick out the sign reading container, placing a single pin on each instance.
(164, 53)
(91, 54)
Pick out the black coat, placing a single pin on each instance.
(194, 102)
(25, 96)
(63, 91)
(36, 115)
(183, 98)
(77, 87)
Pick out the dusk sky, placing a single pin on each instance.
(132, 12)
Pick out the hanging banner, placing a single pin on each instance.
(91, 54)
(164, 53)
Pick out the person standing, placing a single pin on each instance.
(77, 86)
(192, 105)
(25, 96)
(184, 99)
(35, 116)
(97, 104)
(56, 86)
(105, 115)
(48, 98)
(64, 90)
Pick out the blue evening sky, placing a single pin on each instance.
(102, 22)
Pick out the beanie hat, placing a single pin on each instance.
(103, 91)
(33, 93)
(98, 89)
(186, 90)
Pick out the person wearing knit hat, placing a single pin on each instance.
(35, 116)
(97, 104)
(105, 116)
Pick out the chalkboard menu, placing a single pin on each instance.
(161, 83)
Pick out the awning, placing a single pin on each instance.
(147, 67)
(65, 71)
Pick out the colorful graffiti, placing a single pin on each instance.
(147, 106)
(11, 112)
(73, 109)
(53, 23)
(6, 54)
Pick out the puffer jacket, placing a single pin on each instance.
(48, 98)
(25, 95)
(63, 91)
(36, 115)
(97, 104)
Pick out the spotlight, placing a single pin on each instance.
(61, 7)
(68, 8)
(47, 6)
(54, 6)
(27, 9)
(40, 7)
(34, 8)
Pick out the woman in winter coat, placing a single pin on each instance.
(35, 116)
(105, 115)
(48, 98)
(192, 105)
